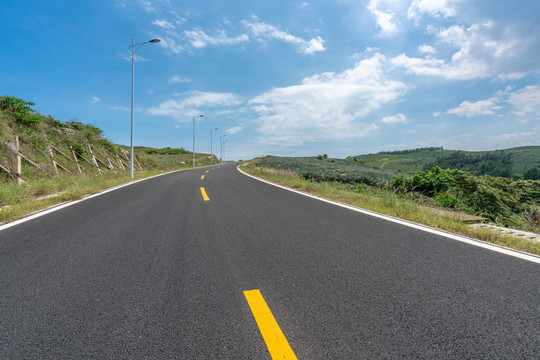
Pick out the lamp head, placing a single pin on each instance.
(155, 40)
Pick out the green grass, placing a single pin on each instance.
(17, 201)
(412, 207)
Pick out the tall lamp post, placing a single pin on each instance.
(195, 117)
(224, 142)
(221, 147)
(211, 154)
(132, 50)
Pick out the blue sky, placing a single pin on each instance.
(291, 78)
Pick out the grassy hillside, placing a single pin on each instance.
(62, 161)
(50, 148)
(523, 158)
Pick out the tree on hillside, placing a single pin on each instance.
(495, 163)
(532, 174)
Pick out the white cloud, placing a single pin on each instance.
(432, 7)
(178, 79)
(384, 11)
(314, 45)
(395, 119)
(326, 106)
(511, 76)
(526, 102)
(265, 32)
(472, 109)
(171, 42)
(194, 103)
(455, 70)
(525, 138)
(234, 130)
(147, 6)
(426, 49)
(95, 99)
(479, 54)
(164, 24)
(200, 39)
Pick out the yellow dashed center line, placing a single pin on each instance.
(202, 177)
(207, 170)
(277, 344)
(205, 197)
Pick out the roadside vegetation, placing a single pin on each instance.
(438, 198)
(61, 161)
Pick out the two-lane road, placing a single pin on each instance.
(156, 270)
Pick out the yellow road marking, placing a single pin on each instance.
(205, 197)
(207, 170)
(277, 344)
(202, 177)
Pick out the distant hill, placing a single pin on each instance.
(517, 160)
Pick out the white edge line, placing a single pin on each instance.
(467, 240)
(57, 207)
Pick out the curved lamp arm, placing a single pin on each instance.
(132, 49)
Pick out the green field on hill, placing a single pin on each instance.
(520, 160)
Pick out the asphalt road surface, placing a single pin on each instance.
(153, 270)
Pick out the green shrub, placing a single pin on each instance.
(20, 109)
(53, 122)
(428, 182)
(500, 199)
(446, 200)
(167, 151)
(88, 130)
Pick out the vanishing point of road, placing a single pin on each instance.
(212, 264)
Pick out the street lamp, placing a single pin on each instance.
(194, 138)
(132, 50)
(211, 154)
(221, 147)
(224, 142)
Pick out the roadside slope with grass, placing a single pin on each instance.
(44, 161)
(396, 197)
